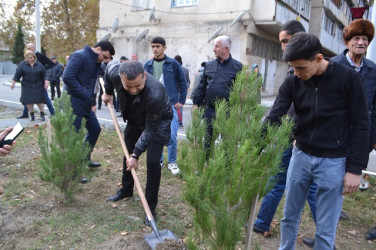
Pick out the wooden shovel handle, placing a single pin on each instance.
(133, 171)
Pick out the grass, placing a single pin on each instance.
(40, 220)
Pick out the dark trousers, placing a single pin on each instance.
(100, 98)
(209, 115)
(92, 126)
(55, 84)
(153, 180)
(116, 101)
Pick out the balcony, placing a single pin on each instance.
(270, 15)
(335, 13)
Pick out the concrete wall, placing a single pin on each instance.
(7, 68)
(187, 31)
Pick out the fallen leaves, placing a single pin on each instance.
(124, 233)
(352, 232)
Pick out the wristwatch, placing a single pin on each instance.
(134, 156)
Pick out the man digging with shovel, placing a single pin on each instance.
(145, 107)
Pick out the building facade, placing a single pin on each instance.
(189, 27)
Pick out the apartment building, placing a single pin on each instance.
(189, 27)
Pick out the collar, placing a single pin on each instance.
(161, 59)
(90, 51)
(224, 61)
(358, 69)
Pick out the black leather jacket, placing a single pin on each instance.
(153, 112)
(216, 82)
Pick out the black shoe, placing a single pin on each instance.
(147, 222)
(371, 234)
(117, 110)
(258, 230)
(32, 117)
(121, 194)
(119, 115)
(343, 216)
(309, 242)
(99, 108)
(42, 118)
(22, 116)
(84, 180)
(94, 164)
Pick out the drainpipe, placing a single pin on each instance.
(371, 52)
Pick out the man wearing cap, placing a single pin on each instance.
(357, 36)
(54, 74)
(123, 59)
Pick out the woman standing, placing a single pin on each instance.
(34, 81)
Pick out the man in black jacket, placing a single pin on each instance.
(219, 75)
(331, 136)
(54, 74)
(146, 108)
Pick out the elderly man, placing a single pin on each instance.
(146, 109)
(357, 36)
(134, 57)
(219, 75)
(80, 76)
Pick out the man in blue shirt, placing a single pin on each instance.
(169, 72)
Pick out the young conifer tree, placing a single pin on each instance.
(19, 46)
(221, 187)
(64, 158)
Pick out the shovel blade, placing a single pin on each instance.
(153, 241)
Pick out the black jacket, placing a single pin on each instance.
(55, 72)
(332, 116)
(44, 60)
(368, 74)
(153, 112)
(216, 82)
(80, 77)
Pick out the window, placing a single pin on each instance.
(302, 7)
(181, 3)
(141, 5)
(265, 48)
(329, 26)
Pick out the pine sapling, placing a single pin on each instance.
(222, 183)
(65, 157)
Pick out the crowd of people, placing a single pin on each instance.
(332, 139)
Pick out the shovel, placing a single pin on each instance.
(159, 236)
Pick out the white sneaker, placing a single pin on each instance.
(173, 167)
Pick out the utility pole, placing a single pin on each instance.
(37, 24)
(371, 52)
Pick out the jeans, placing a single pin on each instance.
(153, 178)
(172, 147)
(271, 200)
(49, 106)
(328, 174)
(92, 126)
